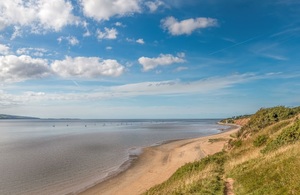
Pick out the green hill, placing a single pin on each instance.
(263, 158)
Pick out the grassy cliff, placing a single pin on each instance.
(262, 158)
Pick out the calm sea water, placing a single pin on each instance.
(65, 156)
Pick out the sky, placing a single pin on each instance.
(104, 59)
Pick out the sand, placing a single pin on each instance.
(156, 164)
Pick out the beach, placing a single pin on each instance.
(157, 163)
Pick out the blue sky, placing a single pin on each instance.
(148, 59)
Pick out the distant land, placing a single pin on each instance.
(5, 116)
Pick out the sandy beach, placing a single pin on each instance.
(156, 164)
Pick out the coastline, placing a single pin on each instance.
(157, 163)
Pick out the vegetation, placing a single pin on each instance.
(232, 119)
(288, 136)
(266, 117)
(217, 140)
(202, 177)
(264, 158)
(4, 116)
(260, 140)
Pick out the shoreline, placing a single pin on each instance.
(158, 162)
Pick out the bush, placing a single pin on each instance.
(260, 140)
(235, 143)
(267, 116)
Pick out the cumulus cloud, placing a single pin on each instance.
(4, 49)
(19, 68)
(105, 9)
(154, 5)
(175, 27)
(107, 33)
(55, 15)
(39, 15)
(140, 41)
(87, 67)
(161, 60)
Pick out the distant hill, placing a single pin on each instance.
(263, 158)
(5, 116)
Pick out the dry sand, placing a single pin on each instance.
(156, 164)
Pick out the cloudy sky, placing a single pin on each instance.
(148, 59)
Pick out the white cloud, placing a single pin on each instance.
(140, 41)
(108, 48)
(19, 68)
(181, 68)
(85, 26)
(162, 60)
(70, 39)
(173, 87)
(38, 52)
(87, 67)
(119, 24)
(107, 34)
(39, 15)
(153, 5)
(17, 33)
(206, 86)
(175, 27)
(4, 49)
(129, 40)
(55, 15)
(87, 33)
(275, 57)
(105, 9)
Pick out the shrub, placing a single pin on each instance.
(267, 116)
(234, 143)
(260, 140)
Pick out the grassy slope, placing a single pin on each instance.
(264, 158)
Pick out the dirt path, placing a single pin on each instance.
(229, 186)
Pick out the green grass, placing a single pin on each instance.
(266, 117)
(235, 143)
(279, 126)
(263, 159)
(201, 177)
(269, 174)
(288, 136)
(217, 140)
(260, 140)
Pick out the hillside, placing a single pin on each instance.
(5, 116)
(262, 158)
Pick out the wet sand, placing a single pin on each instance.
(157, 163)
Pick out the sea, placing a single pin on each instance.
(67, 156)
